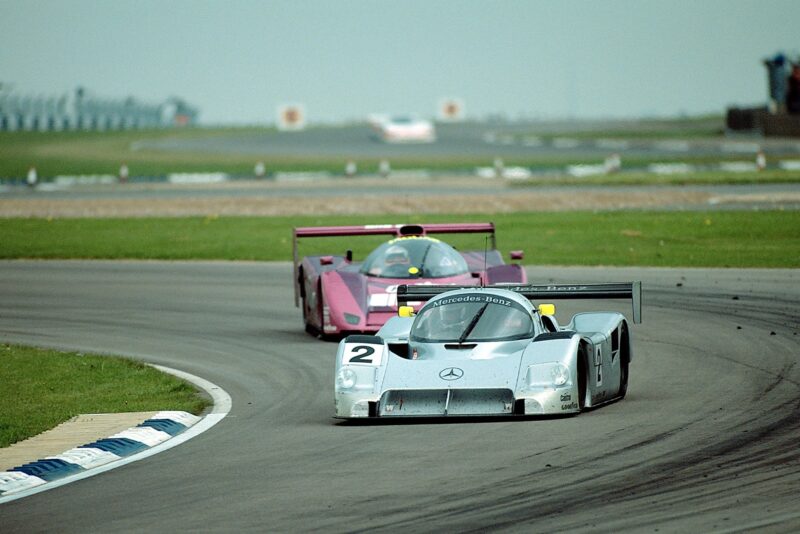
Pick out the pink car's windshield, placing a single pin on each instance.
(414, 257)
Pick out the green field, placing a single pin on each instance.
(700, 127)
(65, 153)
(620, 238)
(42, 388)
(72, 153)
(768, 176)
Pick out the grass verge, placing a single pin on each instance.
(82, 152)
(698, 127)
(618, 238)
(770, 176)
(43, 388)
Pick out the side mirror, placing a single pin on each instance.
(517, 255)
(405, 311)
(326, 260)
(547, 309)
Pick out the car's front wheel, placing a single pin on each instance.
(582, 376)
(311, 329)
(320, 330)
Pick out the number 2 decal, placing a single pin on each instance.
(363, 357)
(362, 354)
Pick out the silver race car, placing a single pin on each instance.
(487, 351)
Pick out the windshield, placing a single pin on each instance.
(414, 257)
(472, 317)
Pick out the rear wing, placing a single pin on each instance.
(627, 290)
(398, 230)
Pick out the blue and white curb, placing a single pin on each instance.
(97, 453)
(163, 431)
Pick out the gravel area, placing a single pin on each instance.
(330, 197)
(490, 203)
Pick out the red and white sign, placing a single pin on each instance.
(451, 109)
(291, 117)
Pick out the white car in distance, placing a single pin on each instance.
(402, 129)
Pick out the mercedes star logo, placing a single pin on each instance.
(451, 373)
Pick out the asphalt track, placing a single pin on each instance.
(705, 441)
(484, 140)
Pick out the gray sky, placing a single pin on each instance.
(239, 59)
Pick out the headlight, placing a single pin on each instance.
(547, 375)
(346, 378)
(560, 374)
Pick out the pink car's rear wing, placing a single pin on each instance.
(398, 230)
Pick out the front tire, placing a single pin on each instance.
(320, 331)
(310, 328)
(582, 376)
(316, 314)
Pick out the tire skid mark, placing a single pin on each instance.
(766, 441)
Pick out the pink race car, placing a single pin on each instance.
(339, 296)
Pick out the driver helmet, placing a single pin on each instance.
(451, 314)
(397, 255)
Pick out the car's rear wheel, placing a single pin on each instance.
(624, 362)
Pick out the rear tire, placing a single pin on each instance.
(624, 362)
(623, 379)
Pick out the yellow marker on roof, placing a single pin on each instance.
(405, 311)
(547, 309)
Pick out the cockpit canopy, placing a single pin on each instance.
(470, 317)
(414, 257)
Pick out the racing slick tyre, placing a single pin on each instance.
(583, 367)
(320, 330)
(624, 363)
(311, 329)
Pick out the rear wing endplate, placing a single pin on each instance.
(627, 290)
